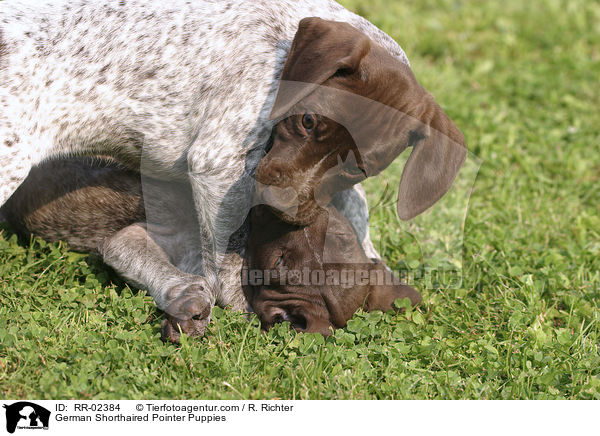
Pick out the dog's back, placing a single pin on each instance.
(80, 201)
(114, 76)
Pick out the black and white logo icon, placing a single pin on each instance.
(26, 415)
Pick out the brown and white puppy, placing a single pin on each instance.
(346, 99)
(317, 276)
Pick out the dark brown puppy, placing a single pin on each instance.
(316, 276)
(347, 101)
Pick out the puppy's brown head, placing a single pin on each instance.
(348, 108)
(289, 278)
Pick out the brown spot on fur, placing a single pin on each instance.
(150, 74)
(3, 48)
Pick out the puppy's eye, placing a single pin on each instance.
(278, 261)
(308, 122)
(280, 257)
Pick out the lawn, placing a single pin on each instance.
(521, 80)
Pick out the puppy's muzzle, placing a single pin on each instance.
(282, 199)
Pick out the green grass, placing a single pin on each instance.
(521, 81)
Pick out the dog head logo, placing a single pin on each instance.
(26, 415)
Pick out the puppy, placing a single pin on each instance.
(340, 113)
(315, 276)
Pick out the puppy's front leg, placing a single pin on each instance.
(222, 200)
(184, 297)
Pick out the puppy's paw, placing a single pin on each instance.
(171, 328)
(189, 313)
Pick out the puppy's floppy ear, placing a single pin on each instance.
(319, 50)
(437, 155)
